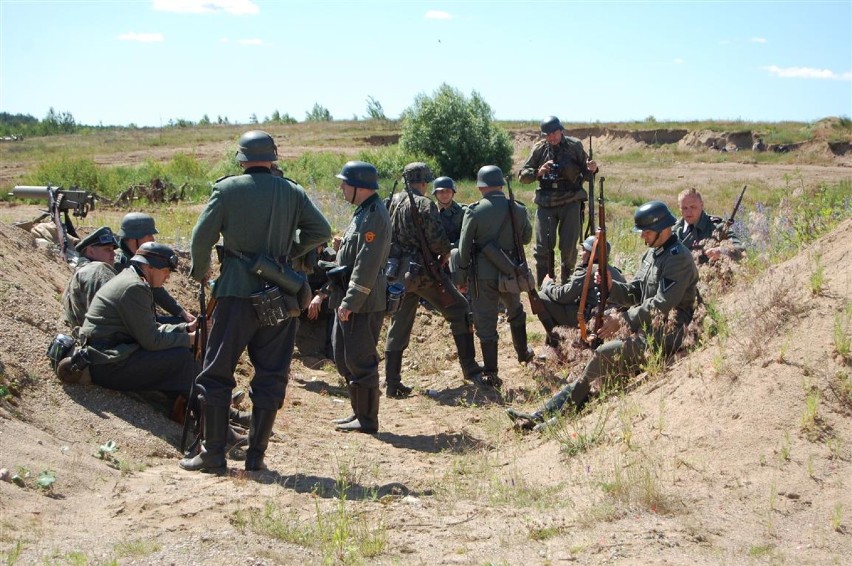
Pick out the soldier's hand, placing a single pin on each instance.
(546, 281)
(608, 280)
(343, 313)
(314, 307)
(335, 243)
(545, 168)
(189, 317)
(592, 166)
(713, 253)
(462, 288)
(192, 326)
(610, 326)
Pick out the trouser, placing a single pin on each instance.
(402, 321)
(561, 314)
(562, 222)
(485, 310)
(313, 338)
(169, 371)
(270, 349)
(354, 344)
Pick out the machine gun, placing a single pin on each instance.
(598, 254)
(59, 202)
(433, 268)
(522, 270)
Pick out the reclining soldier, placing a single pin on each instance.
(94, 269)
(562, 302)
(664, 287)
(696, 227)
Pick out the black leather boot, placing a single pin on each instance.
(467, 357)
(211, 459)
(519, 339)
(393, 378)
(351, 417)
(549, 324)
(262, 421)
(489, 365)
(367, 411)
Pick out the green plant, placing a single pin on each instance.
(817, 278)
(784, 451)
(457, 132)
(577, 435)
(14, 554)
(842, 336)
(46, 479)
(137, 548)
(635, 483)
(837, 518)
(811, 424)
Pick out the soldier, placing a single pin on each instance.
(560, 165)
(562, 302)
(359, 295)
(94, 269)
(136, 229)
(696, 226)
(313, 338)
(257, 215)
(451, 212)
(419, 283)
(487, 222)
(661, 299)
(127, 348)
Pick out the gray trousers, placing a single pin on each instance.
(354, 344)
(485, 305)
(169, 371)
(402, 321)
(562, 222)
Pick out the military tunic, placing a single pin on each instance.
(488, 221)
(562, 302)
(452, 218)
(665, 286)
(706, 227)
(127, 348)
(559, 203)
(162, 298)
(364, 249)
(81, 288)
(255, 213)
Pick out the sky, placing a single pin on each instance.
(149, 62)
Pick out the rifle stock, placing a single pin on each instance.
(598, 254)
(521, 269)
(193, 410)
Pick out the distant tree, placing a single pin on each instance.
(205, 120)
(319, 113)
(58, 122)
(457, 132)
(375, 110)
(287, 119)
(276, 117)
(220, 120)
(253, 118)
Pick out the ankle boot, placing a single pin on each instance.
(467, 356)
(351, 417)
(489, 364)
(211, 459)
(262, 421)
(367, 411)
(519, 339)
(393, 379)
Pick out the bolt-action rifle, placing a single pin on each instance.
(193, 414)
(59, 202)
(522, 269)
(729, 221)
(598, 254)
(590, 227)
(433, 268)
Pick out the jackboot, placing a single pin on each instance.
(262, 421)
(239, 418)
(394, 388)
(489, 365)
(351, 417)
(467, 357)
(211, 459)
(549, 324)
(519, 339)
(367, 410)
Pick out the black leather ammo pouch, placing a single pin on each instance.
(270, 307)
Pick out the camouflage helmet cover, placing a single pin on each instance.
(654, 216)
(490, 176)
(443, 183)
(257, 145)
(359, 174)
(137, 225)
(417, 172)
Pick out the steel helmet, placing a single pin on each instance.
(257, 145)
(490, 176)
(653, 215)
(550, 125)
(588, 245)
(359, 174)
(137, 225)
(157, 255)
(443, 183)
(417, 172)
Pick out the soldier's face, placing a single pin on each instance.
(444, 196)
(650, 238)
(347, 190)
(553, 138)
(104, 253)
(691, 208)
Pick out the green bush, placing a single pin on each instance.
(455, 131)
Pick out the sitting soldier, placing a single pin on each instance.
(696, 228)
(562, 302)
(94, 269)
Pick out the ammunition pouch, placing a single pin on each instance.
(517, 282)
(271, 308)
(339, 276)
(395, 294)
(499, 258)
(282, 276)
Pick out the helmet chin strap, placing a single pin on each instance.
(354, 192)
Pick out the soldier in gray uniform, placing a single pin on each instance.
(451, 212)
(257, 214)
(419, 283)
(661, 299)
(359, 295)
(562, 302)
(560, 165)
(696, 226)
(488, 221)
(94, 269)
(127, 348)
(136, 229)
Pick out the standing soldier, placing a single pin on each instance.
(94, 269)
(661, 300)
(359, 295)
(420, 283)
(560, 165)
(256, 214)
(485, 223)
(451, 212)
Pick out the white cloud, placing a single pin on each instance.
(250, 41)
(758, 40)
(142, 37)
(807, 73)
(438, 15)
(235, 7)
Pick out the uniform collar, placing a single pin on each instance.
(257, 169)
(672, 241)
(367, 202)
